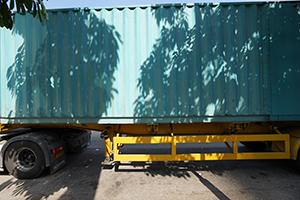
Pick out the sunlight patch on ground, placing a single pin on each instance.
(56, 195)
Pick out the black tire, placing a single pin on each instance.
(256, 146)
(24, 159)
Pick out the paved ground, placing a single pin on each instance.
(84, 178)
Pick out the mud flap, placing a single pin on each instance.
(57, 164)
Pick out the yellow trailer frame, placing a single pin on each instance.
(174, 140)
(284, 145)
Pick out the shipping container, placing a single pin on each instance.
(153, 64)
(159, 70)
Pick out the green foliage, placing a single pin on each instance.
(35, 7)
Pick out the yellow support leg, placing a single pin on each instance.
(107, 136)
(173, 150)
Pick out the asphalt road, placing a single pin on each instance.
(84, 178)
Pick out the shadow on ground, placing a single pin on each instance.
(79, 179)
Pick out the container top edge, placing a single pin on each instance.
(201, 4)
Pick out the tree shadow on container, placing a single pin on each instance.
(205, 65)
(65, 67)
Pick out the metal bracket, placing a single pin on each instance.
(152, 128)
(105, 133)
(239, 126)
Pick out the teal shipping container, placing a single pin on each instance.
(153, 64)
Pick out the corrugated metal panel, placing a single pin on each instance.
(285, 61)
(166, 63)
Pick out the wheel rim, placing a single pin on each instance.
(25, 159)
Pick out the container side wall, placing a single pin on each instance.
(152, 64)
(210, 60)
(285, 61)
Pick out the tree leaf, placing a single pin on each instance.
(18, 4)
(39, 13)
(34, 9)
(44, 11)
(12, 4)
(1, 22)
(23, 9)
(28, 4)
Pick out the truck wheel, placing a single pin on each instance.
(24, 159)
(256, 146)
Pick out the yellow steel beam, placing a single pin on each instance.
(200, 139)
(235, 155)
(201, 157)
(176, 128)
